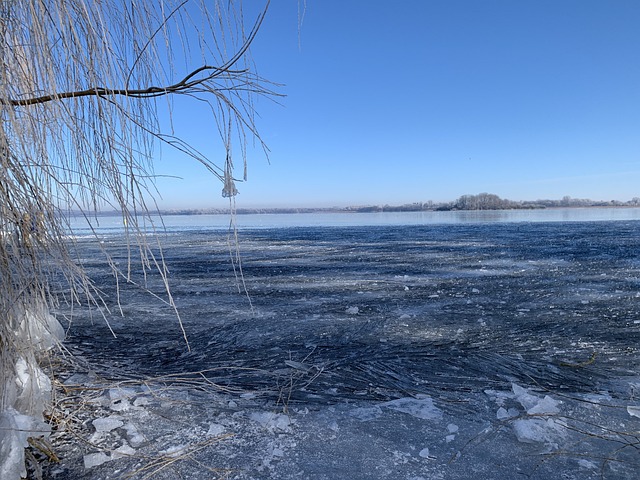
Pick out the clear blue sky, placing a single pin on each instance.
(399, 102)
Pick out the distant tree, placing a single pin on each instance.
(82, 85)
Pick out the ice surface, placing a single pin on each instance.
(315, 390)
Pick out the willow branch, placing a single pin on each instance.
(185, 84)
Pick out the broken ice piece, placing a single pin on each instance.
(424, 453)
(135, 437)
(634, 410)
(503, 414)
(215, 429)
(546, 406)
(123, 451)
(107, 424)
(94, 459)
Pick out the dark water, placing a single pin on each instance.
(379, 312)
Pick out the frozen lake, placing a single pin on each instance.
(425, 347)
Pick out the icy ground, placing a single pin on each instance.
(454, 352)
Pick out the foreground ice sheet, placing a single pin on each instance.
(485, 352)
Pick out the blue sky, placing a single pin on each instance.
(400, 102)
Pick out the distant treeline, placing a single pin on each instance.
(481, 201)
(490, 201)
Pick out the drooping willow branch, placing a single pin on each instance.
(182, 86)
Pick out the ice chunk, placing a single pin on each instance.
(633, 410)
(15, 428)
(94, 459)
(533, 404)
(523, 396)
(535, 430)
(587, 464)
(546, 406)
(353, 310)
(421, 407)
(174, 451)
(107, 424)
(141, 401)
(133, 435)
(123, 451)
(424, 453)
(503, 414)
(272, 421)
(452, 427)
(215, 429)
(119, 398)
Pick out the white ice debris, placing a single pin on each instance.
(26, 390)
(174, 451)
(532, 430)
(98, 458)
(424, 453)
(587, 464)
(119, 398)
(123, 451)
(15, 428)
(546, 406)
(421, 407)
(533, 404)
(272, 421)
(95, 459)
(215, 429)
(133, 435)
(633, 410)
(107, 424)
(352, 310)
(504, 414)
